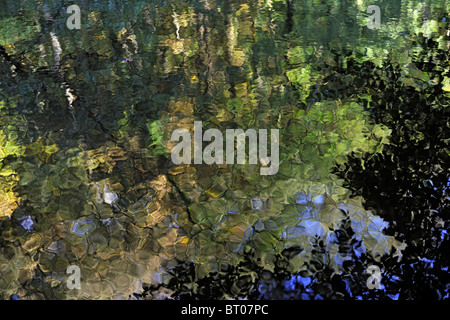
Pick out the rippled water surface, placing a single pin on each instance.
(86, 176)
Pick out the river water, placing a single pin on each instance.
(87, 180)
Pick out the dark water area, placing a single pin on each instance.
(87, 179)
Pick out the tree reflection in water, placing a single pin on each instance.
(86, 177)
